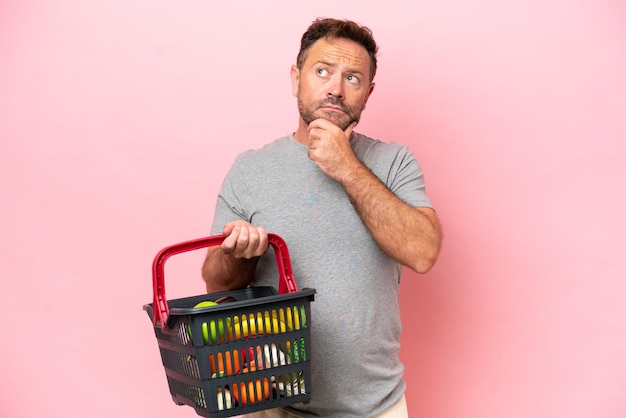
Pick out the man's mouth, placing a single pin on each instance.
(334, 105)
(333, 108)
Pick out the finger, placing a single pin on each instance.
(253, 243)
(263, 242)
(321, 124)
(243, 241)
(314, 130)
(317, 123)
(229, 227)
(348, 130)
(230, 242)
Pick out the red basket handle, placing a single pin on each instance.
(286, 281)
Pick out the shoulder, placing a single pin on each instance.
(277, 145)
(369, 148)
(268, 153)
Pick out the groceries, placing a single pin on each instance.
(254, 373)
(238, 351)
(256, 381)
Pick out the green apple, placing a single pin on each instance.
(211, 328)
(205, 304)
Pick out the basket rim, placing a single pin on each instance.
(305, 292)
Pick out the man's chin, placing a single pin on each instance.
(341, 121)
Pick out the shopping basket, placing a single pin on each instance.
(248, 352)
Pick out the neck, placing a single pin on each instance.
(301, 134)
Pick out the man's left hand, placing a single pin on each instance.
(329, 148)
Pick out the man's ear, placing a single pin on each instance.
(369, 92)
(295, 80)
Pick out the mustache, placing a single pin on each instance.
(333, 101)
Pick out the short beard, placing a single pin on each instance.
(342, 121)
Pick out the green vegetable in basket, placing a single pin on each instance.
(299, 353)
(211, 326)
(302, 351)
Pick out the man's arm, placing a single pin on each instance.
(411, 236)
(232, 264)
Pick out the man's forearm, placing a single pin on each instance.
(411, 236)
(223, 272)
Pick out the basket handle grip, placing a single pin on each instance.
(286, 281)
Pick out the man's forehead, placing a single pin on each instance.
(338, 51)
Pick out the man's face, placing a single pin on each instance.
(334, 82)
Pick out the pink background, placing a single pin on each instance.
(118, 120)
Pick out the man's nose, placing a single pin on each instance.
(335, 87)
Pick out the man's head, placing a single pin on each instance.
(334, 28)
(332, 78)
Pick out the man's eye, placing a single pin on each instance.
(322, 71)
(352, 79)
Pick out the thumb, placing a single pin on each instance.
(348, 130)
(229, 227)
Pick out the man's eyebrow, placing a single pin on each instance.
(329, 64)
(350, 70)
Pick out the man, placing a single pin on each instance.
(353, 211)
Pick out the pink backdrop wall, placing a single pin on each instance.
(118, 120)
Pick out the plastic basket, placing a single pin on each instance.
(248, 353)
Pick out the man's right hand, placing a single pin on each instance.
(232, 264)
(244, 240)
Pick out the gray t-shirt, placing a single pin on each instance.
(356, 370)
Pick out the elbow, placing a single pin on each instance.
(424, 259)
(425, 250)
(423, 265)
